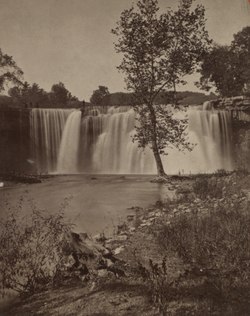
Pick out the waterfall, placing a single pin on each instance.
(114, 151)
(212, 132)
(101, 142)
(68, 153)
(46, 127)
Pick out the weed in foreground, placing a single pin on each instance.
(32, 249)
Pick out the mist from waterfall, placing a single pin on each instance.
(101, 142)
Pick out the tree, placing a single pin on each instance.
(59, 95)
(219, 68)
(29, 96)
(100, 96)
(34, 96)
(158, 51)
(9, 71)
(241, 49)
(227, 67)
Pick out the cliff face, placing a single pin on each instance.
(14, 140)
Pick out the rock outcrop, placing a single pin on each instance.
(232, 103)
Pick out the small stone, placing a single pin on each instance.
(109, 263)
(118, 250)
(102, 273)
(152, 219)
(122, 237)
(110, 240)
(145, 224)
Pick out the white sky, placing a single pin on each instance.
(70, 40)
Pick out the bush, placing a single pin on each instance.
(32, 249)
(160, 283)
(216, 187)
(217, 244)
(208, 188)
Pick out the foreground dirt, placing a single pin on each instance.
(136, 242)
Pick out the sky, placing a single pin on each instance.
(70, 40)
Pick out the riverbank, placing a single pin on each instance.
(187, 255)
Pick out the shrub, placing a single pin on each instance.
(216, 187)
(216, 244)
(32, 249)
(160, 282)
(204, 188)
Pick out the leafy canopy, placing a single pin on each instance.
(228, 67)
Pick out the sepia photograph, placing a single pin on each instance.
(124, 157)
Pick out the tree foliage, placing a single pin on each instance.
(220, 68)
(29, 95)
(158, 51)
(99, 96)
(228, 67)
(9, 71)
(60, 96)
(33, 96)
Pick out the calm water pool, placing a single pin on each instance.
(97, 203)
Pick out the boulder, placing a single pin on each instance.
(89, 255)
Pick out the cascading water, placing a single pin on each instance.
(101, 142)
(68, 153)
(114, 151)
(46, 129)
(211, 131)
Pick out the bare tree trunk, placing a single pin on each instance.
(159, 165)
